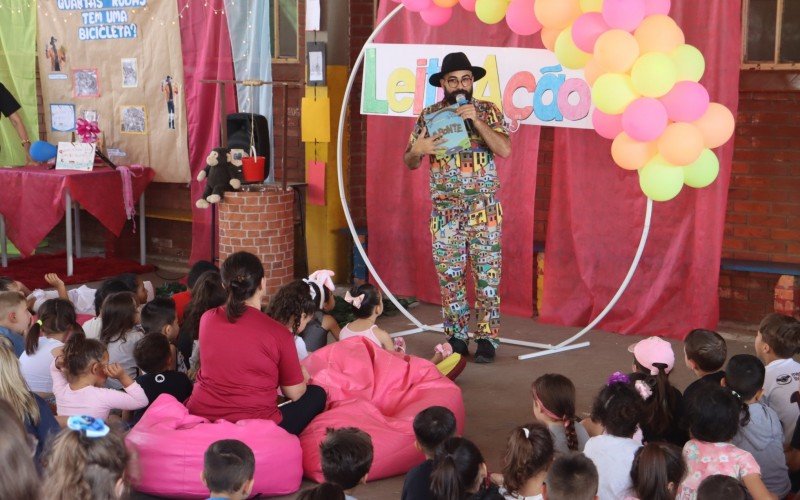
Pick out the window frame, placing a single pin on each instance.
(275, 35)
(765, 65)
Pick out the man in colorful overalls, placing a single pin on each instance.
(466, 217)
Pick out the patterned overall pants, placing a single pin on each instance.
(468, 230)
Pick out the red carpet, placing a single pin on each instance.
(31, 270)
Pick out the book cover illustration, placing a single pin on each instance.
(447, 122)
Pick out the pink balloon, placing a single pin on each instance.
(469, 5)
(608, 126)
(644, 119)
(587, 29)
(417, 5)
(623, 14)
(655, 7)
(521, 19)
(435, 15)
(686, 102)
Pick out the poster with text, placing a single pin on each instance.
(123, 60)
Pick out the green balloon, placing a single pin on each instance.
(660, 180)
(702, 171)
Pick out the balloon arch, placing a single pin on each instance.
(644, 80)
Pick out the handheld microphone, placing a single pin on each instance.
(461, 100)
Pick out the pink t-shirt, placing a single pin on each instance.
(94, 401)
(242, 364)
(707, 459)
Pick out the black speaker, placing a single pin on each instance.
(239, 125)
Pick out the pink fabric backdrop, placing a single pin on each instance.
(206, 47)
(398, 200)
(597, 212)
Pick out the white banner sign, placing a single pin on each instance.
(529, 85)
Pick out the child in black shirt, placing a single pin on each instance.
(153, 357)
(432, 427)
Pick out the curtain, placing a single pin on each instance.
(206, 56)
(597, 211)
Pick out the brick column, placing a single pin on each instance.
(261, 223)
(787, 296)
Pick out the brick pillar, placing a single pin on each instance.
(787, 296)
(261, 223)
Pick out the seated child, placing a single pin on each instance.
(714, 418)
(618, 408)
(554, 405)
(321, 288)
(158, 316)
(207, 293)
(293, 307)
(345, 456)
(93, 326)
(82, 298)
(663, 418)
(153, 357)
(529, 454)
(777, 340)
(721, 487)
(182, 299)
(459, 472)
(432, 427)
(120, 332)
(761, 433)
(15, 319)
(657, 470)
(367, 304)
(571, 477)
(86, 460)
(57, 320)
(704, 354)
(229, 469)
(79, 373)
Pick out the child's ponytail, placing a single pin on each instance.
(658, 400)
(744, 377)
(656, 471)
(32, 338)
(530, 450)
(744, 417)
(324, 491)
(80, 352)
(571, 434)
(456, 469)
(556, 395)
(55, 316)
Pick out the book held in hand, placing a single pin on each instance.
(453, 129)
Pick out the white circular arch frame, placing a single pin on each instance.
(545, 349)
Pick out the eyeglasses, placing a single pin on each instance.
(453, 81)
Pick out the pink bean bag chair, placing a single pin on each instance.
(380, 393)
(168, 446)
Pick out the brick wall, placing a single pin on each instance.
(261, 223)
(362, 20)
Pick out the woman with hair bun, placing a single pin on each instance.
(245, 356)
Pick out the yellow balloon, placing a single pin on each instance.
(556, 14)
(592, 5)
(491, 11)
(569, 55)
(446, 3)
(659, 180)
(616, 51)
(612, 92)
(654, 74)
(690, 63)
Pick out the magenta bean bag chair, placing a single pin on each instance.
(168, 446)
(380, 393)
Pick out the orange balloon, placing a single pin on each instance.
(557, 14)
(630, 154)
(445, 3)
(681, 143)
(716, 125)
(616, 51)
(549, 37)
(658, 33)
(592, 71)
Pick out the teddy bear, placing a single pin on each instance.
(223, 172)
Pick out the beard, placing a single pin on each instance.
(450, 97)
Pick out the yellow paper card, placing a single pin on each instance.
(315, 119)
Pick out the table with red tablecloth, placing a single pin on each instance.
(33, 199)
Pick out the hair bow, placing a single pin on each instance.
(355, 301)
(322, 277)
(644, 390)
(618, 378)
(87, 130)
(88, 426)
(527, 432)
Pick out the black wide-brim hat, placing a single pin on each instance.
(456, 61)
